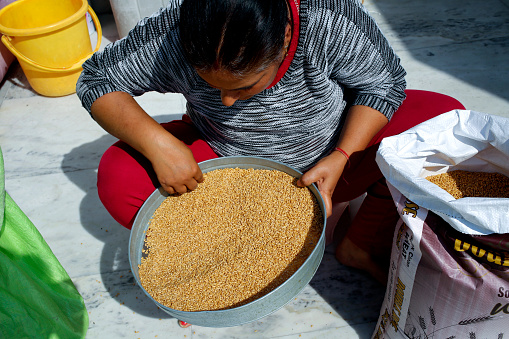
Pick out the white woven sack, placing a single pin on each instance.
(456, 140)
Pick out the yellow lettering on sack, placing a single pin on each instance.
(394, 320)
(479, 252)
(410, 209)
(399, 296)
(383, 322)
(462, 246)
(494, 258)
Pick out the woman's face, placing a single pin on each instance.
(233, 88)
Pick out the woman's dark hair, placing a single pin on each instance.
(238, 36)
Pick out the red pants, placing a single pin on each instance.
(126, 178)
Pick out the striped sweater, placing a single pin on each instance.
(297, 121)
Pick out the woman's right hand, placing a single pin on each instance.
(173, 162)
(175, 167)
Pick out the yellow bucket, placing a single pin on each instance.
(50, 39)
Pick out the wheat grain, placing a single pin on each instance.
(461, 184)
(239, 235)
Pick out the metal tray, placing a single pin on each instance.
(256, 309)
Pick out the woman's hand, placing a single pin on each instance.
(173, 162)
(325, 174)
(362, 124)
(175, 167)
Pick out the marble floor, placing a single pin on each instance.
(51, 150)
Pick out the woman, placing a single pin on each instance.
(311, 83)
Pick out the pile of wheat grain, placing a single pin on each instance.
(461, 184)
(239, 235)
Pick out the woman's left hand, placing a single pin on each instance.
(361, 125)
(325, 174)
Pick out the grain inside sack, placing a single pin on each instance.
(462, 184)
(238, 236)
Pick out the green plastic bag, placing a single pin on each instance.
(37, 297)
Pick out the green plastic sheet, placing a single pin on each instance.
(37, 297)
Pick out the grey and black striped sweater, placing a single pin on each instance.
(298, 120)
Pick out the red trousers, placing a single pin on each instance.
(126, 178)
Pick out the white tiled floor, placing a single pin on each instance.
(51, 150)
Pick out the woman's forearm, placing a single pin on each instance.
(361, 125)
(121, 116)
(173, 162)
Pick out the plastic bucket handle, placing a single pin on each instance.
(74, 67)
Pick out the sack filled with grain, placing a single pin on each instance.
(449, 273)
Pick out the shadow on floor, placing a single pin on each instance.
(80, 166)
